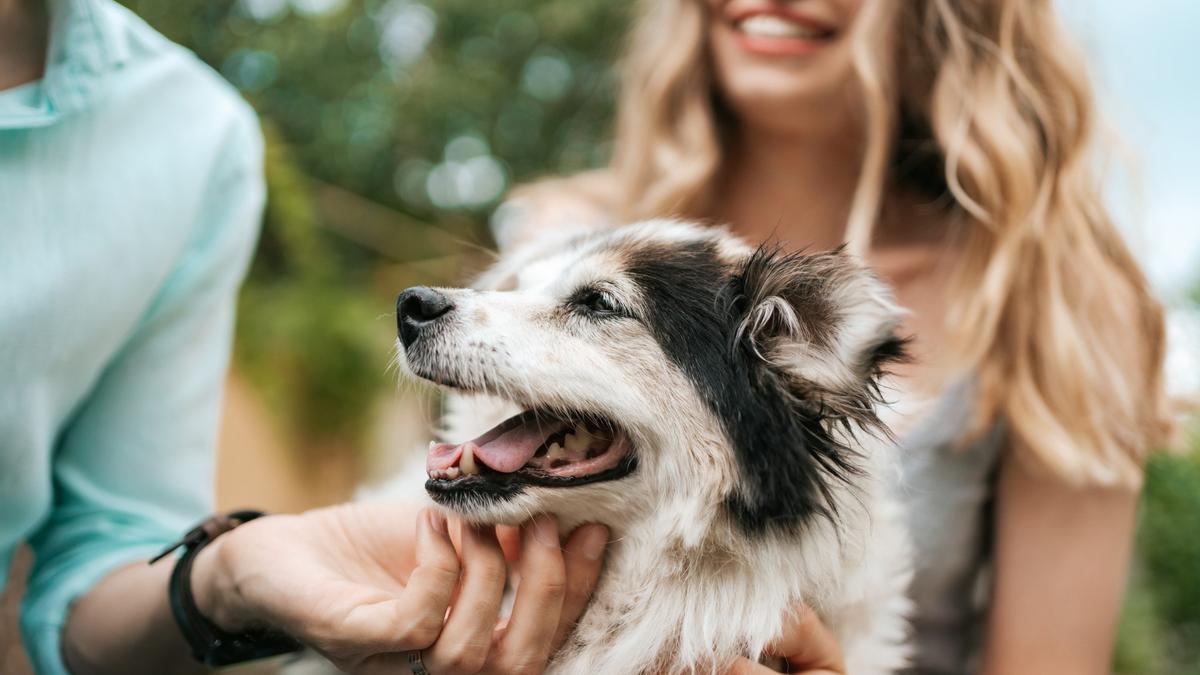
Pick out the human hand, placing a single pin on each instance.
(806, 646)
(365, 584)
(554, 587)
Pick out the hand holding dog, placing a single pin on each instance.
(807, 646)
(364, 587)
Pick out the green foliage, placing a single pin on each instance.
(393, 128)
(365, 107)
(1160, 629)
(1170, 542)
(1137, 650)
(318, 355)
(309, 340)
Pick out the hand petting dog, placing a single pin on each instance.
(368, 585)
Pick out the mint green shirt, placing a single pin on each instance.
(130, 199)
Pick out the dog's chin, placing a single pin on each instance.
(533, 451)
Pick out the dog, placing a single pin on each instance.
(715, 405)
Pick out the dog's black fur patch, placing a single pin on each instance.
(787, 457)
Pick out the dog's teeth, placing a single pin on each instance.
(598, 432)
(555, 452)
(578, 442)
(452, 473)
(467, 462)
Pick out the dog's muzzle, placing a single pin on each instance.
(417, 309)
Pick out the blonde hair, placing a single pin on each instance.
(1050, 311)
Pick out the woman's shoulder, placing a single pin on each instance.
(555, 207)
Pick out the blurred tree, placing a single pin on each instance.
(1161, 626)
(393, 128)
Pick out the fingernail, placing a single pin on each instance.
(594, 541)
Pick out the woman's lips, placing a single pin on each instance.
(779, 31)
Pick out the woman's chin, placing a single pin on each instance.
(790, 104)
(754, 85)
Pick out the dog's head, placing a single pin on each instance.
(658, 368)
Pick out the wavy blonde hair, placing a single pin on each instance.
(1050, 311)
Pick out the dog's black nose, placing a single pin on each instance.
(418, 307)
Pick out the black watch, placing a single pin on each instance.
(210, 645)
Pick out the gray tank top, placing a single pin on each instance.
(948, 488)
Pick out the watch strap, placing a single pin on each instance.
(209, 644)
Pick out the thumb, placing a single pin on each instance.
(808, 645)
(744, 666)
(413, 619)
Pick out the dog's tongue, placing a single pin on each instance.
(442, 456)
(505, 448)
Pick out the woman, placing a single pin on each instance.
(951, 143)
(130, 194)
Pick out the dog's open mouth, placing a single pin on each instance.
(533, 448)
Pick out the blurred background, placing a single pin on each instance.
(395, 127)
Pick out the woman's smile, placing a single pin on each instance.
(778, 30)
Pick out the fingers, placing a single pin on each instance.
(583, 556)
(556, 583)
(744, 666)
(414, 619)
(510, 541)
(392, 663)
(525, 645)
(808, 645)
(467, 637)
(431, 585)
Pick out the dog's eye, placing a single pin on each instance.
(595, 301)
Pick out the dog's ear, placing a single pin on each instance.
(823, 321)
(815, 333)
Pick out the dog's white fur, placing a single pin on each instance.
(684, 587)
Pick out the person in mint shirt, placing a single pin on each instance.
(130, 198)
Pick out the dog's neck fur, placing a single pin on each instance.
(677, 592)
(685, 589)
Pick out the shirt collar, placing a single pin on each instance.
(83, 49)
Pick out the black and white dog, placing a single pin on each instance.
(713, 404)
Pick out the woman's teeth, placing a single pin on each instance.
(767, 25)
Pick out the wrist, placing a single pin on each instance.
(206, 599)
(211, 589)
